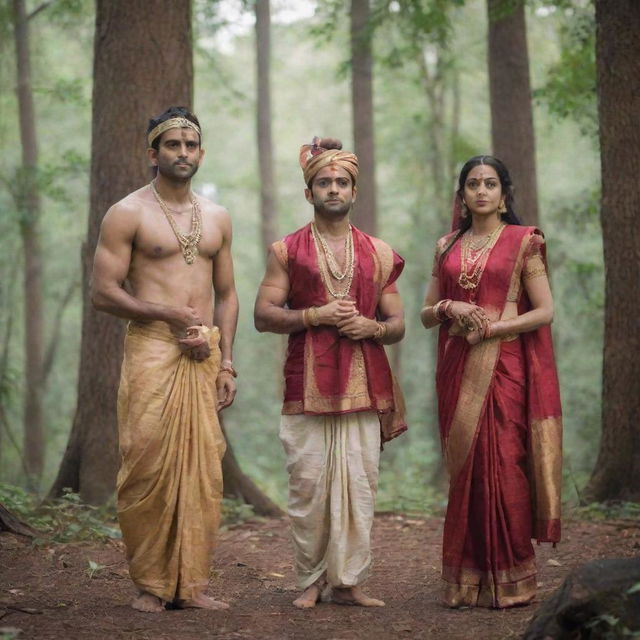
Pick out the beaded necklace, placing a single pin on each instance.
(473, 257)
(329, 265)
(188, 241)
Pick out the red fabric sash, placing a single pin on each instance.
(320, 353)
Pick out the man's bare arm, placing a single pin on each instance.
(111, 266)
(270, 313)
(225, 315)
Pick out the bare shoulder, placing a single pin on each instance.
(125, 215)
(214, 212)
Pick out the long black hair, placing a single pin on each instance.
(508, 217)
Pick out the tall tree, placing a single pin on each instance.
(268, 210)
(142, 64)
(28, 202)
(617, 471)
(362, 109)
(512, 133)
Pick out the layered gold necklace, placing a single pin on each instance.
(473, 257)
(188, 241)
(329, 265)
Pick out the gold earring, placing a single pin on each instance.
(502, 208)
(464, 210)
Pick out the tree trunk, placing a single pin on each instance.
(240, 486)
(617, 472)
(268, 211)
(12, 524)
(365, 216)
(512, 132)
(142, 64)
(29, 207)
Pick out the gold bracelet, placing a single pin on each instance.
(381, 331)
(312, 314)
(305, 318)
(228, 368)
(436, 310)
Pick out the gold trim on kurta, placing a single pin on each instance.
(383, 258)
(354, 398)
(281, 253)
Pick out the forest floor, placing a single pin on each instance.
(81, 591)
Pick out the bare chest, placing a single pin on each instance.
(157, 238)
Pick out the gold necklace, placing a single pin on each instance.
(332, 263)
(188, 241)
(474, 258)
(328, 265)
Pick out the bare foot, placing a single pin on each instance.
(354, 596)
(309, 597)
(202, 602)
(148, 603)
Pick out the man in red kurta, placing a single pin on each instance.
(332, 288)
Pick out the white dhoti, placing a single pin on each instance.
(333, 479)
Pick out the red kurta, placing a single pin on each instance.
(326, 373)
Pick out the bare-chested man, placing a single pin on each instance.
(332, 288)
(163, 261)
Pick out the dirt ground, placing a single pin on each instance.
(48, 592)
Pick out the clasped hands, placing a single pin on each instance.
(472, 319)
(347, 319)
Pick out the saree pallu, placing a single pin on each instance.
(500, 423)
(170, 478)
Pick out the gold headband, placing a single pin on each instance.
(172, 123)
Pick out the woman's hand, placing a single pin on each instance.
(474, 337)
(469, 317)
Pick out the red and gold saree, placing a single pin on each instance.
(500, 425)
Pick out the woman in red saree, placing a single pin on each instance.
(498, 397)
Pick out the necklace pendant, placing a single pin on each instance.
(190, 254)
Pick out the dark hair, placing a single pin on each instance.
(171, 112)
(509, 216)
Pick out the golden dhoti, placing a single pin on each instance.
(333, 479)
(171, 446)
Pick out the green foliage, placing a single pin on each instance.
(235, 511)
(432, 113)
(69, 90)
(67, 519)
(570, 89)
(94, 567)
(609, 627)
(608, 511)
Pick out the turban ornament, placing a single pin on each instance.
(323, 152)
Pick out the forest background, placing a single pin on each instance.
(432, 112)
